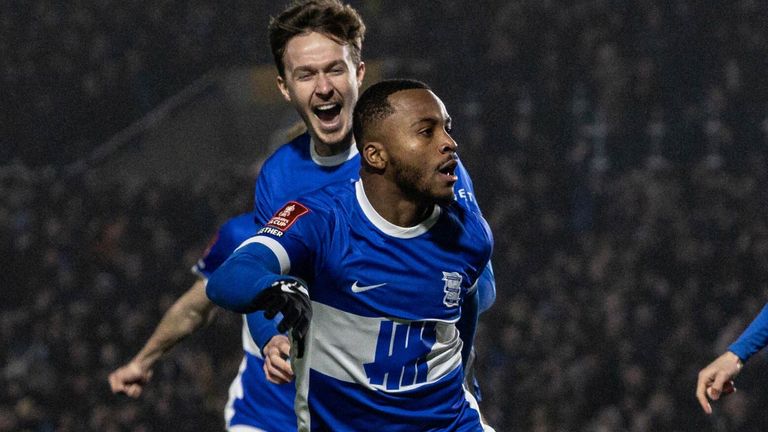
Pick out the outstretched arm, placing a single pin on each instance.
(251, 280)
(191, 311)
(717, 378)
(251, 269)
(754, 338)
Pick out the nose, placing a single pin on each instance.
(448, 145)
(324, 86)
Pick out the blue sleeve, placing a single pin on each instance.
(242, 277)
(229, 236)
(215, 254)
(261, 328)
(486, 289)
(262, 201)
(467, 324)
(754, 338)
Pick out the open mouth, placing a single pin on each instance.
(327, 112)
(449, 169)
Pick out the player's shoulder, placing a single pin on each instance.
(469, 218)
(318, 211)
(327, 203)
(335, 196)
(295, 149)
(240, 226)
(229, 236)
(233, 232)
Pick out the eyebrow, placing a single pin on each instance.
(310, 68)
(432, 121)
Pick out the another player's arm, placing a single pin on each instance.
(754, 338)
(190, 312)
(717, 378)
(276, 352)
(275, 347)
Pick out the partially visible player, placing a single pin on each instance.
(717, 378)
(370, 276)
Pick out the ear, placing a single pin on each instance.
(360, 74)
(283, 87)
(375, 155)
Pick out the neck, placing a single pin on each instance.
(331, 149)
(392, 204)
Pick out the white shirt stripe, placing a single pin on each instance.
(275, 247)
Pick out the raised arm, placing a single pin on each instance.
(191, 311)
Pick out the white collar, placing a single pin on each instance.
(333, 160)
(389, 228)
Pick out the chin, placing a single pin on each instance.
(444, 199)
(330, 138)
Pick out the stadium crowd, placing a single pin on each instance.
(618, 150)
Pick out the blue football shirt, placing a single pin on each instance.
(383, 352)
(295, 169)
(291, 171)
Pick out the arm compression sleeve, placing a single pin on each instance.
(754, 338)
(249, 270)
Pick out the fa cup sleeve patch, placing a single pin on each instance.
(287, 215)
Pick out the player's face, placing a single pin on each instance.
(422, 153)
(322, 83)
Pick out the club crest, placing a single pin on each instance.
(452, 289)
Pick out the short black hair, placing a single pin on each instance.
(373, 104)
(332, 18)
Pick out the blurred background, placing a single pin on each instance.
(618, 150)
